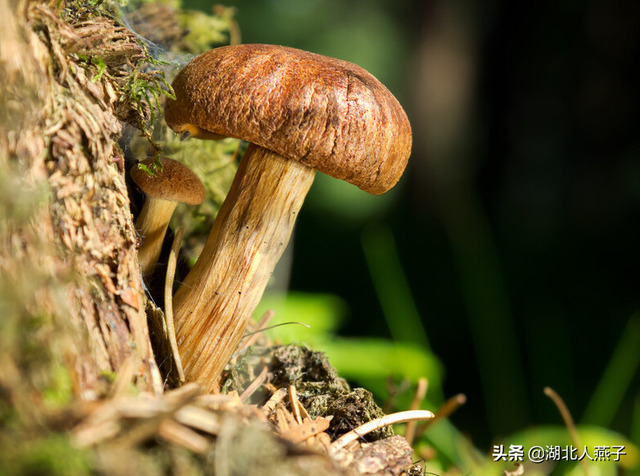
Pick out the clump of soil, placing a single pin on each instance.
(318, 386)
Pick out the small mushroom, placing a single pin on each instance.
(169, 185)
(301, 112)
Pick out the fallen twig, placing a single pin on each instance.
(568, 420)
(276, 398)
(421, 392)
(392, 419)
(168, 301)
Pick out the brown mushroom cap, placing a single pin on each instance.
(175, 182)
(326, 113)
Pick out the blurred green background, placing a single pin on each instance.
(510, 247)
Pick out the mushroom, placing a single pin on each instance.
(300, 112)
(170, 184)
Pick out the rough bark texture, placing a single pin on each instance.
(60, 133)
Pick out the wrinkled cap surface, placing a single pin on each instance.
(326, 113)
(175, 182)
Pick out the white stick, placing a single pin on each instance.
(168, 301)
(394, 418)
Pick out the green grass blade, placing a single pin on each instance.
(617, 377)
(392, 288)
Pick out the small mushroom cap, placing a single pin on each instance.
(326, 113)
(175, 182)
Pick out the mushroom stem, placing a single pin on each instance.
(153, 221)
(218, 296)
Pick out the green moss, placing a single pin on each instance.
(109, 377)
(101, 65)
(205, 31)
(88, 9)
(60, 390)
(51, 455)
(144, 90)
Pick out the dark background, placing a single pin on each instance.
(517, 222)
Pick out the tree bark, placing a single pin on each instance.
(62, 71)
